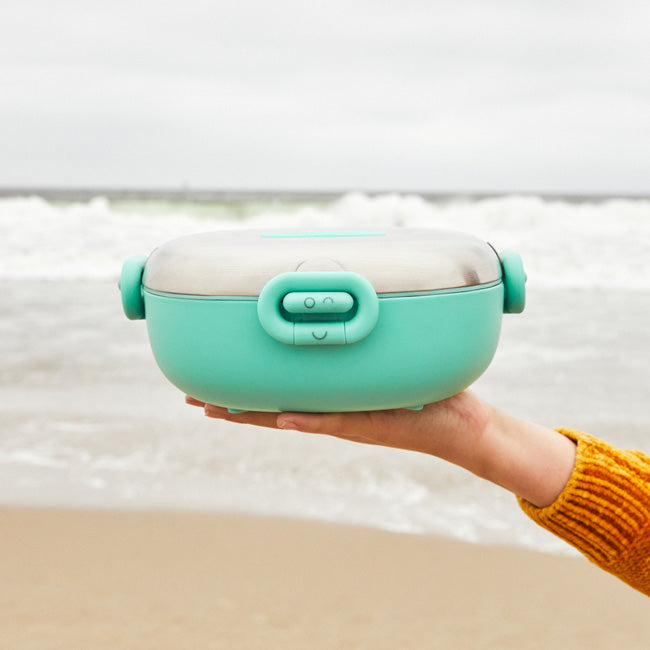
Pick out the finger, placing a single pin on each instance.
(257, 418)
(390, 428)
(214, 411)
(342, 425)
(193, 402)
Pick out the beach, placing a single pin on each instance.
(106, 579)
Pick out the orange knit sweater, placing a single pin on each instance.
(604, 510)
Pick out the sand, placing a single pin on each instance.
(98, 579)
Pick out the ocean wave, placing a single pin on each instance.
(586, 245)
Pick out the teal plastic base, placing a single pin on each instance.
(422, 349)
(408, 408)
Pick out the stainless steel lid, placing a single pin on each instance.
(240, 263)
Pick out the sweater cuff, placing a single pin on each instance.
(603, 507)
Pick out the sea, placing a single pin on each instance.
(88, 420)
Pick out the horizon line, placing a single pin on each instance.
(202, 194)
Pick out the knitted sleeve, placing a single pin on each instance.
(604, 510)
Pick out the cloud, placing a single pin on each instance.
(418, 95)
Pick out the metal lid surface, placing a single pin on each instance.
(241, 262)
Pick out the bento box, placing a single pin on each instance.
(323, 321)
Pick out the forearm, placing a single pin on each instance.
(532, 461)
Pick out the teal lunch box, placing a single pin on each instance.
(323, 321)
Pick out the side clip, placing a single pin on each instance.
(514, 282)
(130, 286)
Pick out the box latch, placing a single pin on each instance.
(318, 308)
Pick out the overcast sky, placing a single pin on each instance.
(469, 95)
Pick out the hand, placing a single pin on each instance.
(438, 429)
(530, 460)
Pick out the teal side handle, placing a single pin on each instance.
(514, 282)
(353, 330)
(130, 286)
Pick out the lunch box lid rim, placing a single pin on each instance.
(394, 261)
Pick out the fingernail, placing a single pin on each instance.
(286, 423)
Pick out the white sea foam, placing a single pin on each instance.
(601, 244)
